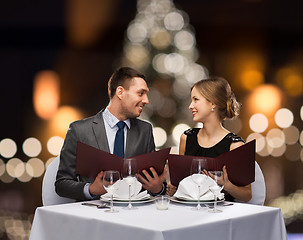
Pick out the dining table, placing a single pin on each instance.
(237, 221)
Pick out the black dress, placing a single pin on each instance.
(193, 148)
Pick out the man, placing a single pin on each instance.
(127, 90)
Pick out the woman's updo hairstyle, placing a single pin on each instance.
(218, 91)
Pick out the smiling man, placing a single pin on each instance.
(127, 90)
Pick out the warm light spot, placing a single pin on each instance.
(275, 138)
(252, 79)
(291, 134)
(178, 131)
(35, 167)
(301, 113)
(293, 84)
(137, 54)
(284, 117)
(64, 116)
(46, 94)
(258, 123)
(174, 21)
(8, 148)
(15, 167)
(301, 138)
(265, 99)
(32, 147)
(160, 136)
(260, 141)
(25, 177)
(54, 145)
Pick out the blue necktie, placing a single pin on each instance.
(119, 140)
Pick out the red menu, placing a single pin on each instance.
(239, 162)
(90, 160)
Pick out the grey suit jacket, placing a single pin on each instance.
(91, 131)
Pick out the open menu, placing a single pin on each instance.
(239, 162)
(90, 161)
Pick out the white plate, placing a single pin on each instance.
(185, 201)
(125, 201)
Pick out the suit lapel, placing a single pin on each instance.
(100, 133)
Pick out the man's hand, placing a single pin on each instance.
(153, 183)
(96, 188)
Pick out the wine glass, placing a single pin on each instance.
(111, 185)
(218, 176)
(198, 174)
(129, 172)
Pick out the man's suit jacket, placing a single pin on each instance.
(91, 131)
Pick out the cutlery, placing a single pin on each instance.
(102, 205)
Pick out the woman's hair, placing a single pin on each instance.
(122, 77)
(218, 91)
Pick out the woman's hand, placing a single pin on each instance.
(170, 189)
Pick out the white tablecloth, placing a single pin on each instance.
(237, 222)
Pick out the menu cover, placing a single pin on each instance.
(240, 165)
(90, 161)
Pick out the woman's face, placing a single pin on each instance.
(200, 107)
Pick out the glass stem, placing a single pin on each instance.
(215, 203)
(112, 202)
(129, 197)
(199, 206)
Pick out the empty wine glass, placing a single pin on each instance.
(129, 172)
(218, 176)
(198, 175)
(111, 185)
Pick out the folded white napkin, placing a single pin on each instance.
(188, 189)
(122, 192)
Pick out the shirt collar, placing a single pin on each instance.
(112, 120)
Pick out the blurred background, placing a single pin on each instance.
(56, 57)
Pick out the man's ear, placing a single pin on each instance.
(119, 91)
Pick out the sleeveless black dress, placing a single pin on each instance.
(193, 148)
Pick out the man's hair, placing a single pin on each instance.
(122, 77)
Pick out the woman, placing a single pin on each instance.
(212, 101)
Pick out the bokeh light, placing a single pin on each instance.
(291, 135)
(233, 125)
(177, 132)
(2, 167)
(301, 113)
(15, 167)
(251, 79)
(174, 21)
(137, 32)
(258, 122)
(35, 167)
(8, 148)
(275, 138)
(32, 147)
(265, 99)
(293, 151)
(301, 138)
(46, 94)
(160, 39)
(54, 145)
(260, 141)
(284, 118)
(160, 136)
(184, 40)
(279, 151)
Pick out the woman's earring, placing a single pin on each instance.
(212, 109)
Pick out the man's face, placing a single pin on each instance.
(134, 99)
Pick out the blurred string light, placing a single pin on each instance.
(258, 122)
(161, 43)
(284, 117)
(32, 147)
(8, 148)
(25, 171)
(160, 136)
